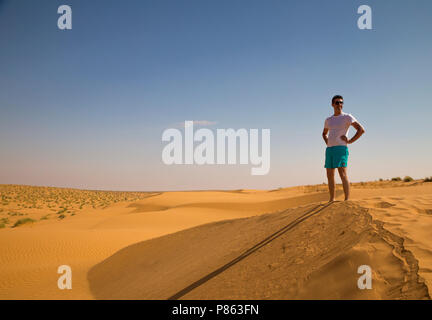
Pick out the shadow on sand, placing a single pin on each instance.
(251, 250)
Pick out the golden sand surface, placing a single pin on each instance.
(241, 244)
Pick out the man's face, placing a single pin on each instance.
(338, 104)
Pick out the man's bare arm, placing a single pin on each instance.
(324, 135)
(360, 131)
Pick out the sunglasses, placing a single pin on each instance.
(338, 102)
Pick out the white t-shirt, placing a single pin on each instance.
(338, 126)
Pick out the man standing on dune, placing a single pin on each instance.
(337, 127)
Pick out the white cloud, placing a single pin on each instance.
(197, 123)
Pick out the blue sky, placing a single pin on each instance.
(87, 107)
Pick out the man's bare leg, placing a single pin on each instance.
(331, 183)
(344, 177)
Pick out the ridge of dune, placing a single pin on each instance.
(316, 259)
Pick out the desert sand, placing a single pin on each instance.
(243, 244)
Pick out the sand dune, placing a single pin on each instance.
(409, 216)
(315, 259)
(216, 245)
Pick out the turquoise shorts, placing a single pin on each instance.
(336, 157)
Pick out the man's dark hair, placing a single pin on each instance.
(336, 97)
